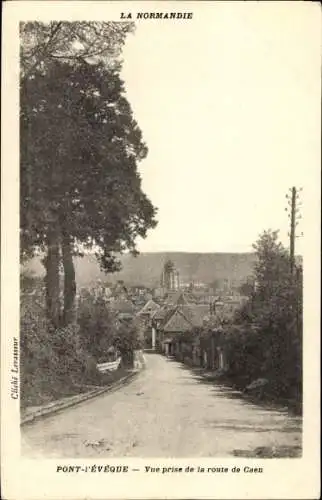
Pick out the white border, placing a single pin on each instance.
(33, 479)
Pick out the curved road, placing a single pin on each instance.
(167, 411)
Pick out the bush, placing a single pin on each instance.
(97, 325)
(53, 361)
(264, 340)
(59, 362)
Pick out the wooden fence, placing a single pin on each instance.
(110, 366)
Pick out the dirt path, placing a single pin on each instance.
(165, 412)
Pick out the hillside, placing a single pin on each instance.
(147, 267)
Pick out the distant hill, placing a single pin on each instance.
(147, 267)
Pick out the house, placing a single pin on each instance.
(145, 315)
(157, 315)
(174, 324)
(192, 332)
(177, 328)
(196, 313)
(176, 297)
(149, 309)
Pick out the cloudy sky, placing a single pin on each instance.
(229, 107)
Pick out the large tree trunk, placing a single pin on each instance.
(69, 315)
(51, 262)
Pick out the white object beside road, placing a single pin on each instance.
(110, 366)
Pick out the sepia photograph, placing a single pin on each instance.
(167, 177)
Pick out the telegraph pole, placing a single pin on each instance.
(292, 230)
(294, 217)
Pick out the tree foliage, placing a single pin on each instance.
(57, 362)
(80, 147)
(265, 339)
(43, 43)
(101, 329)
(52, 361)
(79, 151)
(97, 325)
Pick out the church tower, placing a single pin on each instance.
(170, 279)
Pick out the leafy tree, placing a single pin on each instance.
(97, 325)
(127, 340)
(52, 361)
(79, 181)
(100, 329)
(265, 339)
(43, 43)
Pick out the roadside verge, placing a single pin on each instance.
(29, 416)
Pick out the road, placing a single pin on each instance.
(167, 411)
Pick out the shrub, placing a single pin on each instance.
(97, 325)
(58, 362)
(264, 340)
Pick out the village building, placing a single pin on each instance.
(179, 322)
(189, 330)
(149, 309)
(145, 315)
(176, 297)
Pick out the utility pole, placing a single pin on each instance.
(292, 230)
(294, 217)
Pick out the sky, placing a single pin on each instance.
(229, 106)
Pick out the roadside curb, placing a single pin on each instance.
(74, 400)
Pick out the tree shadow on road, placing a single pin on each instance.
(270, 452)
(223, 389)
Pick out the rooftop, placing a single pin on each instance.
(122, 306)
(149, 307)
(177, 323)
